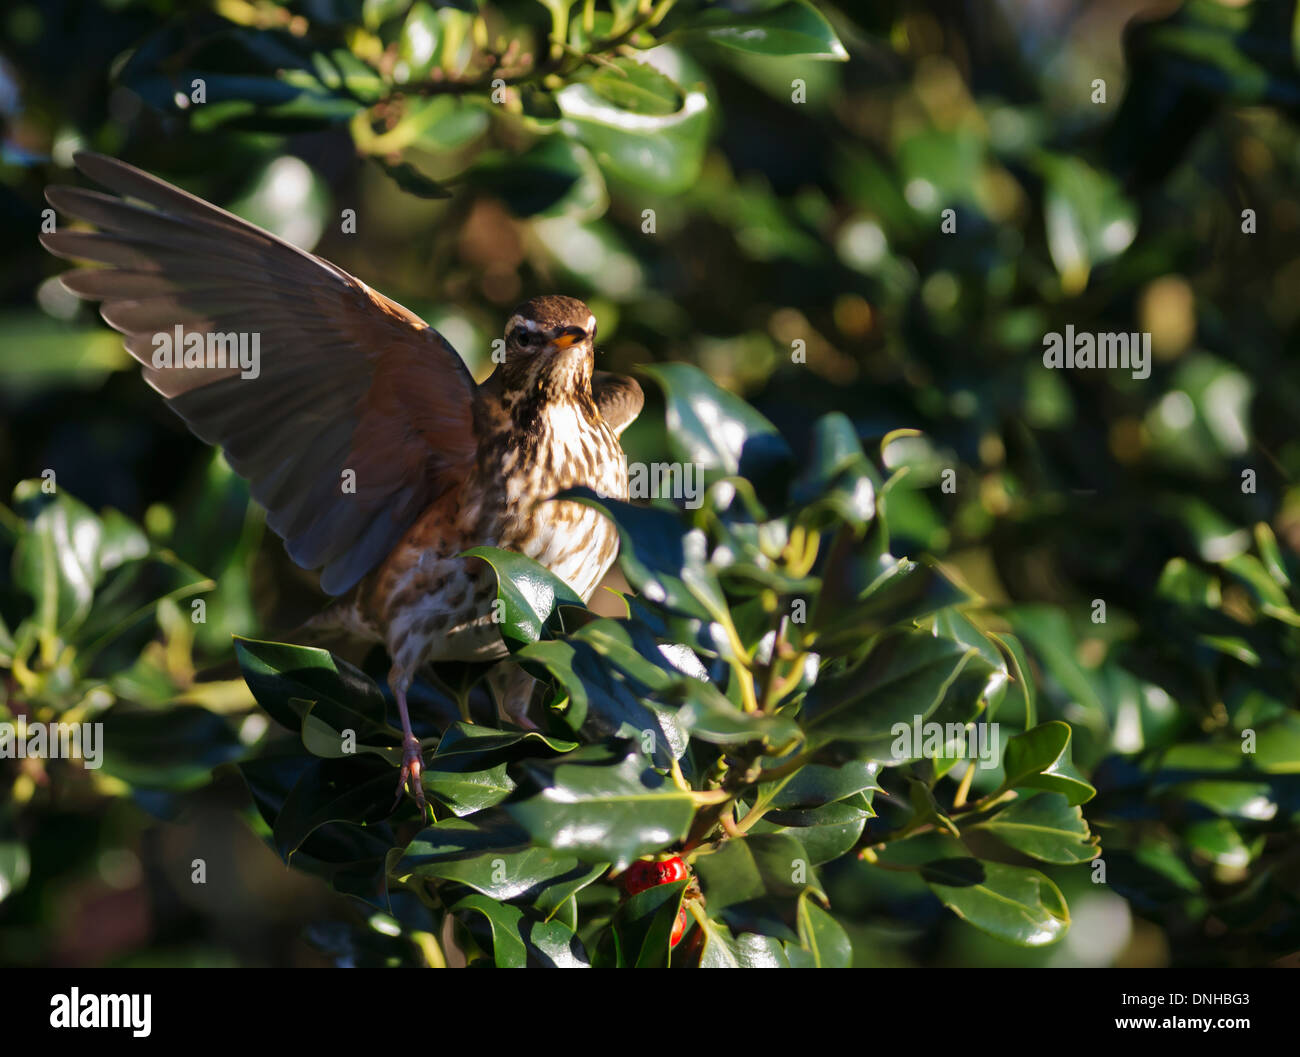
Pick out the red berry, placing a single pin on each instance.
(642, 875)
(670, 870)
(679, 927)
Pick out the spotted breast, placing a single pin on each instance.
(426, 604)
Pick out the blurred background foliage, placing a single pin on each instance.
(796, 160)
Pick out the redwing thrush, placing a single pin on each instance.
(348, 380)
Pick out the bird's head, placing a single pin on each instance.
(550, 346)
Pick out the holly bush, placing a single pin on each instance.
(741, 715)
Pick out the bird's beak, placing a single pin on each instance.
(568, 337)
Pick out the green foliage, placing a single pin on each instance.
(756, 752)
(724, 196)
(93, 635)
(577, 91)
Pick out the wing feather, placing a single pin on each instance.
(618, 397)
(348, 379)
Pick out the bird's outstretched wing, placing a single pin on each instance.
(618, 397)
(348, 379)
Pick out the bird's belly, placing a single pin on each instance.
(435, 606)
(576, 542)
(445, 612)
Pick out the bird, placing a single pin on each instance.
(377, 457)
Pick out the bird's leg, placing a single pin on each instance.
(512, 689)
(411, 762)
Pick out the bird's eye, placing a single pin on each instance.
(526, 338)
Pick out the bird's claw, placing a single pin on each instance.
(409, 775)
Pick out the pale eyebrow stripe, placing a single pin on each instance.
(520, 321)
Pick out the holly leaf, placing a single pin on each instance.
(529, 596)
(1046, 827)
(601, 803)
(1012, 903)
(761, 864)
(658, 152)
(795, 28)
(1040, 759)
(494, 859)
(749, 950)
(823, 943)
(641, 929)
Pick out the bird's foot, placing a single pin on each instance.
(409, 776)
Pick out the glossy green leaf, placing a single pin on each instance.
(1236, 52)
(557, 900)
(711, 427)
(662, 559)
(529, 595)
(619, 689)
(1088, 219)
(418, 46)
(625, 656)
(1220, 841)
(818, 784)
(826, 832)
(553, 945)
(643, 925)
(469, 771)
(495, 860)
(1046, 827)
(376, 12)
(795, 28)
(56, 561)
(321, 739)
(1040, 759)
(762, 864)
(749, 950)
(1248, 801)
(864, 595)
(906, 676)
(1276, 750)
(285, 678)
(504, 929)
(600, 804)
(1015, 904)
(658, 152)
(289, 199)
(839, 482)
(636, 88)
(291, 99)
(1049, 635)
(1021, 673)
(823, 943)
(412, 180)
